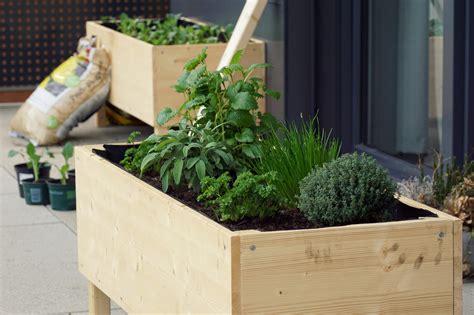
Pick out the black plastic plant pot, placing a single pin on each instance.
(36, 193)
(23, 172)
(62, 197)
(71, 175)
(115, 152)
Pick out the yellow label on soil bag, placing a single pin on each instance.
(66, 76)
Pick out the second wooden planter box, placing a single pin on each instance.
(152, 254)
(143, 74)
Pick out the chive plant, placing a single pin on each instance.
(292, 153)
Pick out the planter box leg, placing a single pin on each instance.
(99, 303)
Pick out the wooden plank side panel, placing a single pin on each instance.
(146, 251)
(457, 270)
(398, 267)
(132, 71)
(169, 62)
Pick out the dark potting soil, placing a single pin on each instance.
(286, 219)
(290, 219)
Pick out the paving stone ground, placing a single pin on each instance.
(38, 254)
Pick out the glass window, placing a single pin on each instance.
(405, 75)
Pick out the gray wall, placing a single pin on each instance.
(270, 29)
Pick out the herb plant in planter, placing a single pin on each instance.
(170, 30)
(148, 55)
(62, 192)
(292, 152)
(348, 190)
(32, 166)
(225, 137)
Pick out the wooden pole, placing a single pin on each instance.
(243, 30)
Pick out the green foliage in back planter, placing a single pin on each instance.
(169, 31)
(249, 196)
(350, 189)
(292, 154)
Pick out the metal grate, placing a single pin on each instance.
(37, 35)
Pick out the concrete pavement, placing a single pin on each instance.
(38, 253)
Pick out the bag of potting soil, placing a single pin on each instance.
(70, 94)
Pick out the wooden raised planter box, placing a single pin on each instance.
(152, 254)
(143, 74)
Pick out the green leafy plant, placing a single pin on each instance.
(249, 196)
(446, 175)
(187, 155)
(31, 157)
(350, 189)
(170, 30)
(292, 154)
(227, 100)
(133, 135)
(134, 156)
(67, 153)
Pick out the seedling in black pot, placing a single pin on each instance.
(62, 191)
(32, 175)
(27, 169)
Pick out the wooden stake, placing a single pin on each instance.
(243, 30)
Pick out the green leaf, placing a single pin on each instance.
(200, 169)
(195, 74)
(210, 145)
(230, 142)
(247, 135)
(177, 171)
(231, 92)
(30, 149)
(164, 167)
(247, 150)
(191, 162)
(182, 85)
(273, 94)
(133, 135)
(64, 169)
(257, 66)
(52, 122)
(199, 100)
(241, 118)
(193, 63)
(244, 101)
(12, 153)
(165, 182)
(165, 115)
(236, 57)
(267, 120)
(225, 156)
(68, 151)
(147, 161)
